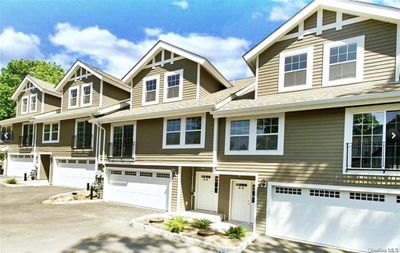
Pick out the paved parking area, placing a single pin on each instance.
(26, 225)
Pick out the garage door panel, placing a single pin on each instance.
(360, 224)
(18, 165)
(74, 174)
(140, 188)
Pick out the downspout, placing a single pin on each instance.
(98, 146)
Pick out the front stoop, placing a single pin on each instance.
(185, 239)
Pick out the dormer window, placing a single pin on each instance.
(24, 105)
(151, 90)
(33, 103)
(73, 97)
(295, 70)
(173, 83)
(343, 61)
(86, 94)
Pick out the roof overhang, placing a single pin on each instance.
(368, 99)
(78, 64)
(28, 79)
(159, 46)
(367, 10)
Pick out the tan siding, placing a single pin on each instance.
(313, 153)
(95, 95)
(51, 103)
(174, 194)
(261, 210)
(208, 83)
(379, 62)
(149, 144)
(112, 95)
(189, 80)
(348, 16)
(310, 22)
(328, 17)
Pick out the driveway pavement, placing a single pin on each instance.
(26, 225)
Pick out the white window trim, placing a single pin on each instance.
(166, 75)
(133, 137)
(77, 97)
(309, 71)
(33, 132)
(51, 132)
(360, 61)
(76, 131)
(182, 144)
(30, 103)
(83, 94)
(27, 104)
(253, 136)
(149, 78)
(348, 134)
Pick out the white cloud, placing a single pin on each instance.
(183, 4)
(151, 32)
(18, 45)
(117, 56)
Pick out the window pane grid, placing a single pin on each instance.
(193, 130)
(151, 87)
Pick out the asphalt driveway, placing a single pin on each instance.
(26, 225)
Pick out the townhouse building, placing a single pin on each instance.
(307, 149)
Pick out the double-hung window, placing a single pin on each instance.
(173, 86)
(24, 105)
(51, 132)
(185, 132)
(343, 61)
(33, 103)
(73, 97)
(150, 90)
(86, 94)
(122, 141)
(83, 138)
(372, 139)
(295, 70)
(255, 135)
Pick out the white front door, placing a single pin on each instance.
(206, 192)
(241, 200)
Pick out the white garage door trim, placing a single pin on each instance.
(89, 176)
(123, 170)
(391, 194)
(20, 172)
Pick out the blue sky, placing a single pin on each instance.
(114, 34)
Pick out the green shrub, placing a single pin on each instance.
(201, 223)
(176, 224)
(2, 156)
(11, 181)
(236, 232)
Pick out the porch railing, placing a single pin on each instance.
(379, 157)
(26, 141)
(81, 142)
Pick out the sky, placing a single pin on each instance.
(114, 34)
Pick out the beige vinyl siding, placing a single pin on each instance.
(313, 153)
(310, 22)
(261, 210)
(379, 56)
(95, 91)
(328, 17)
(149, 144)
(189, 80)
(174, 194)
(38, 102)
(112, 95)
(63, 147)
(348, 16)
(208, 84)
(51, 103)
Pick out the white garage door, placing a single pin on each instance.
(20, 164)
(148, 189)
(353, 220)
(73, 173)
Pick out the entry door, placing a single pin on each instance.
(205, 191)
(241, 198)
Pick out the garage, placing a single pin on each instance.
(144, 188)
(357, 220)
(74, 173)
(18, 165)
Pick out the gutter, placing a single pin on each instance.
(388, 97)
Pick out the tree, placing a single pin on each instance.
(12, 75)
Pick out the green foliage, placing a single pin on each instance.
(236, 232)
(201, 223)
(176, 224)
(12, 75)
(11, 181)
(2, 156)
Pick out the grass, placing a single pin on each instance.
(11, 181)
(236, 232)
(176, 224)
(201, 223)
